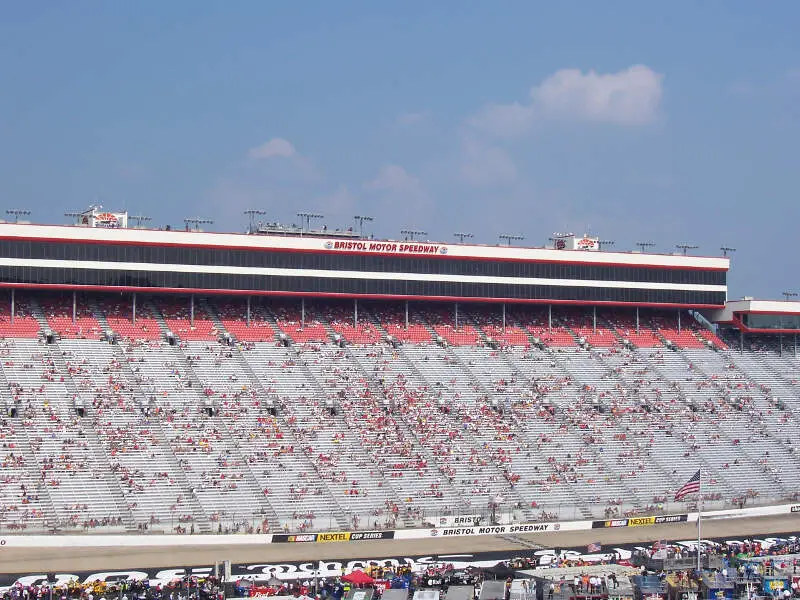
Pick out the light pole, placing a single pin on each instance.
(788, 295)
(509, 237)
(140, 219)
(727, 250)
(463, 236)
(411, 234)
(307, 216)
(197, 221)
(643, 246)
(252, 213)
(601, 243)
(17, 213)
(360, 219)
(686, 247)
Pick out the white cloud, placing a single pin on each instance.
(629, 97)
(272, 148)
(392, 177)
(483, 164)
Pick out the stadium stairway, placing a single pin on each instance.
(200, 517)
(213, 314)
(347, 419)
(232, 448)
(45, 499)
(402, 394)
(39, 315)
(320, 395)
(159, 318)
(101, 458)
(578, 364)
(763, 370)
(99, 315)
(715, 434)
(32, 468)
(679, 385)
(734, 428)
(639, 379)
(379, 392)
(482, 396)
(262, 393)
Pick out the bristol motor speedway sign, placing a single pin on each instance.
(496, 529)
(385, 247)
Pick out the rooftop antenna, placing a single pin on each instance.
(252, 213)
(601, 243)
(307, 216)
(643, 246)
(17, 213)
(788, 295)
(463, 236)
(140, 219)
(411, 234)
(686, 247)
(196, 221)
(727, 250)
(509, 237)
(361, 219)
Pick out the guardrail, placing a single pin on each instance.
(101, 541)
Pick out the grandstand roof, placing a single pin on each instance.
(365, 246)
(783, 314)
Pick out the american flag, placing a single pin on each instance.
(596, 547)
(690, 487)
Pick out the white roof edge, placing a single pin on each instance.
(763, 306)
(178, 237)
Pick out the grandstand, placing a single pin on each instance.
(188, 398)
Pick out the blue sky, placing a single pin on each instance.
(671, 122)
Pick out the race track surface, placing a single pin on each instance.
(27, 560)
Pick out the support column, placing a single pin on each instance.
(355, 312)
(637, 319)
(550, 318)
(302, 312)
(456, 315)
(74, 307)
(795, 345)
(134, 308)
(248, 311)
(594, 319)
(13, 308)
(504, 317)
(741, 341)
(780, 344)
(679, 321)
(191, 310)
(406, 315)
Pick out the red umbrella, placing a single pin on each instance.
(358, 577)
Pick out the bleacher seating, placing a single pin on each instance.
(255, 435)
(119, 317)
(58, 312)
(177, 316)
(298, 326)
(233, 315)
(24, 325)
(342, 320)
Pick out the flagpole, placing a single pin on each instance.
(699, 514)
